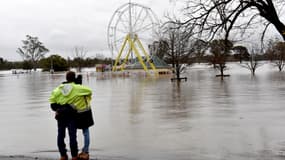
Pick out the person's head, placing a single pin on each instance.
(70, 76)
(78, 80)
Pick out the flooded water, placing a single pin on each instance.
(139, 118)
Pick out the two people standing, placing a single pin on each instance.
(71, 102)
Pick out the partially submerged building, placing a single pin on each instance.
(161, 67)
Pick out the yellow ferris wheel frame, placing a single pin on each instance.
(133, 43)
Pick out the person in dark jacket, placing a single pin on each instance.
(84, 121)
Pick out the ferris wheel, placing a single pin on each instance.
(135, 20)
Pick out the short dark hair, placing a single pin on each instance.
(78, 80)
(70, 76)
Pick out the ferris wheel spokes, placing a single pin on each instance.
(130, 24)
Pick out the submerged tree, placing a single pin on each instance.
(79, 55)
(276, 52)
(177, 45)
(32, 50)
(280, 55)
(252, 64)
(213, 17)
(220, 50)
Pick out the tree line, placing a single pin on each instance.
(176, 49)
(57, 62)
(33, 53)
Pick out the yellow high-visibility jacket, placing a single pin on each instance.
(78, 96)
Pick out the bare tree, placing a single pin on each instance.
(79, 55)
(280, 53)
(220, 17)
(276, 52)
(177, 44)
(270, 49)
(32, 50)
(252, 64)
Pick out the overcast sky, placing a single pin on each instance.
(62, 24)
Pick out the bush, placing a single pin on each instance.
(55, 62)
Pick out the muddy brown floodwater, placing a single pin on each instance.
(140, 118)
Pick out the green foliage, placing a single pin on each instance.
(220, 47)
(27, 65)
(5, 65)
(241, 53)
(89, 62)
(220, 51)
(32, 50)
(55, 62)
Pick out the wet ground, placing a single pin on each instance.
(21, 158)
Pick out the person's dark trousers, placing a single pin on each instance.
(69, 124)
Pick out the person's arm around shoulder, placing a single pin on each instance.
(84, 90)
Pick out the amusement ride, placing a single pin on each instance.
(131, 28)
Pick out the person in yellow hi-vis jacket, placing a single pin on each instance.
(67, 99)
(84, 120)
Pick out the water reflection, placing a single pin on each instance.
(177, 101)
